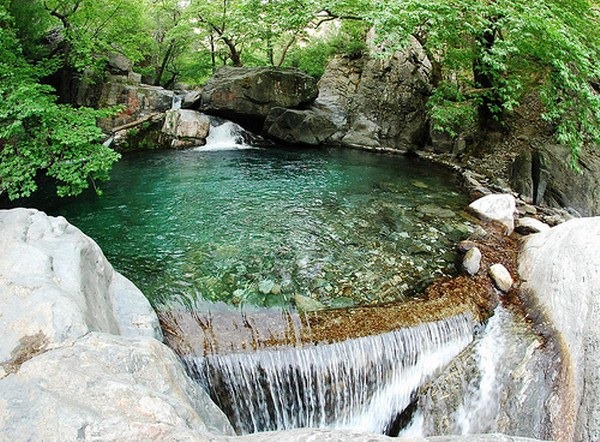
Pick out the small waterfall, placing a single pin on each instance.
(176, 103)
(481, 403)
(362, 383)
(224, 135)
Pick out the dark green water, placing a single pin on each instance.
(261, 226)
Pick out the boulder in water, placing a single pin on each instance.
(528, 225)
(501, 277)
(299, 126)
(250, 93)
(80, 354)
(472, 261)
(185, 128)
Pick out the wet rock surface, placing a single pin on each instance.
(497, 207)
(185, 128)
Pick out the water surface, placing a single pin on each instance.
(272, 227)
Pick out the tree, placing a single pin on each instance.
(36, 133)
(489, 51)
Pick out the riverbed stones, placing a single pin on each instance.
(472, 261)
(501, 277)
(560, 268)
(497, 207)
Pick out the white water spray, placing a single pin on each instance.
(224, 136)
(361, 383)
(481, 403)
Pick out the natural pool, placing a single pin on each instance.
(274, 227)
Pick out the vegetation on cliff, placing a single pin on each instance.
(486, 55)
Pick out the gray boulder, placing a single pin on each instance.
(119, 64)
(560, 270)
(299, 126)
(528, 225)
(390, 103)
(501, 277)
(250, 93)
(472, 261)
(185, 128)
(545, 176)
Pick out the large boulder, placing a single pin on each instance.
(56, 286)
(499, 208)
(560, 268)
(378, 102)
(545, 176)
(250, 93)
(299, 126)
(80, 356)
(185, 128)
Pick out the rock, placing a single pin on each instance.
(435, 211)
(546, 176)
(56, 285)
(106, 387)
(560, 268)
(306, 304)
(80, 356)
(501, 277)
(497, 207)
(192, 100)
(185, 128)
(298, 126)
(139, 100)
(265, 286)
(527, 225)
(250, 93)
(506, 381)
(386, 103)
(472, 261)
(119, 64)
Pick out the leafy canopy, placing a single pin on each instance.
(36, 133)
(489, 52)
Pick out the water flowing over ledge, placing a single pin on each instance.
(362, 383)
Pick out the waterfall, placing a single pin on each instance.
(224, 135)
(481, 403)
(362, 383)
(176, 102)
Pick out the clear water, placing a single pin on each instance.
(261, 226)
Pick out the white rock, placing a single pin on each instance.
(56, 281)
(106, 387)
(527, 225)
(497, 207)
(561, 270)
(472, 261)
(501, 277)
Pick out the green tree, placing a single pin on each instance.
(36, 133)
(487, 52)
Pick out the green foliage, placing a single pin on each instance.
(37, 134)
(451, 111)
(492, 51)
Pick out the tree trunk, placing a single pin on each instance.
(483, 76)
(163, 65)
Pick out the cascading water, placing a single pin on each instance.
(176, 102)
(362, 383)
(224, 135)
